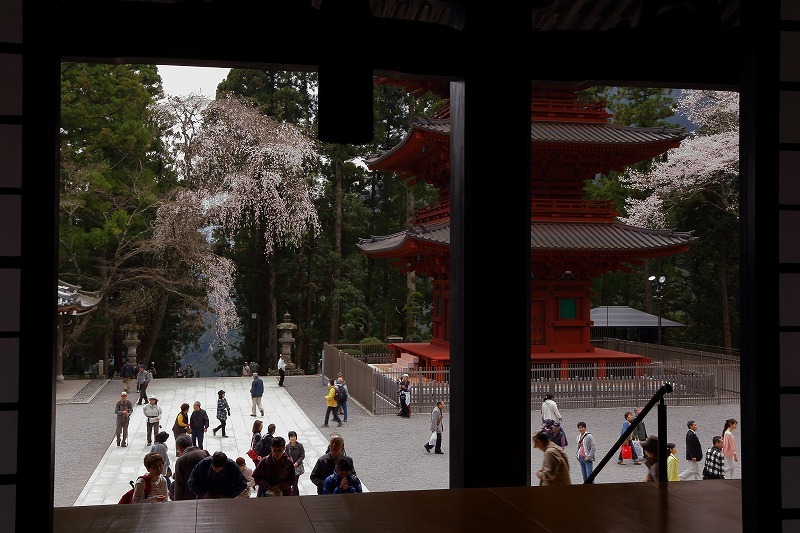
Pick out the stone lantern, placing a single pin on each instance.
(131, 340)
(286, 340)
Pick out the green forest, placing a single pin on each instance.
(178, 209)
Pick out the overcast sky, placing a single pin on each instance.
(181, 81)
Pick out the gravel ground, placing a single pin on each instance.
(387, 450)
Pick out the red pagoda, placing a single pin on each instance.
(573, 240)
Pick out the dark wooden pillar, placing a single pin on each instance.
(489, 283)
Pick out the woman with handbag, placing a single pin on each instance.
(181, 424)
(628, 442)
(258, 425)
(297, 453)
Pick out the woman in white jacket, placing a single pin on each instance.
(550, 409)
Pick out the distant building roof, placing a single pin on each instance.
(621, 316)
(75, 301)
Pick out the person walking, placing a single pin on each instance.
(341, 387)
(672, 462)
(223, 411)
(437, 426)
(550, 409)
(188, 457)
(127, 372)
(256, 392)
(715, 461)
(555, 465)
(332, 405)
(254, 367)
(198, 422)
(181, 425)
(694, 454)
(246, 372)
(297, 453)
(216, 477)
(123, 409)
(629, 441)
(729, 447)
(585, 451)
(152, 412)
(142, 380)
(275, 474)
(281, 369)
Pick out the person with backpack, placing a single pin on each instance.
(341, 398)
(151, 487)
(555, 465)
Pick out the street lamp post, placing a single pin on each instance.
(659, 284)
(257, 317)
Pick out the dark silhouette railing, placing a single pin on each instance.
(658, 397)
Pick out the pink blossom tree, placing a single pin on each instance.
(707, 161)
(243, 172)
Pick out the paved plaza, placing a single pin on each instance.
(387, 450)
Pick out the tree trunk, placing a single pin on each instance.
(337, 248)
(271, 321)
(146, 348)
(726, 317)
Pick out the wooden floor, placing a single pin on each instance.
(679, 507)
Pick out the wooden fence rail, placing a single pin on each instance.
(373, 381)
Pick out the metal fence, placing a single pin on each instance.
(373, 382)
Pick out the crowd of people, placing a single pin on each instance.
(278, 463)
(718, 462)
(198, 474)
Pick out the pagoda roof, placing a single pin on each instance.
(639, 142)
(546, 236)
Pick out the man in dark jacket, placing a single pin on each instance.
(216, 477)
(694, 454)
(199, 423)
(127, 372)
(256, 392)
(326, 464)
(188, 457)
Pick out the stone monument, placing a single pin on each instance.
(131, 340)
(286, 341)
